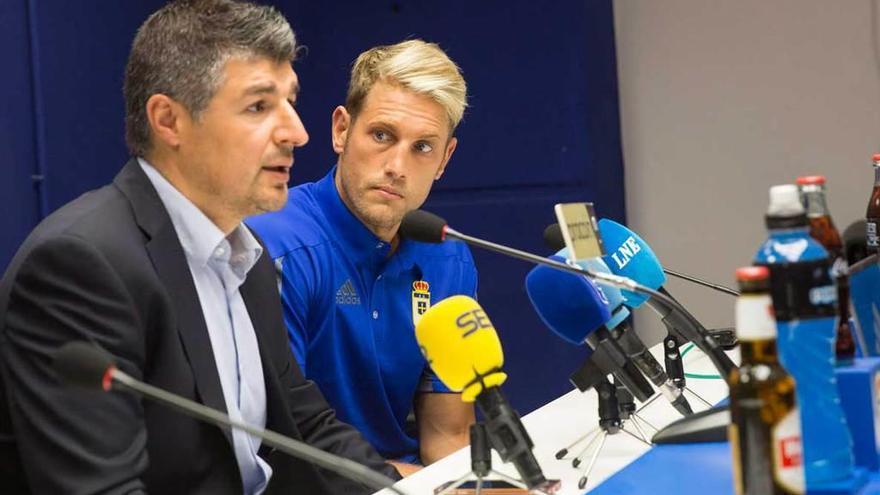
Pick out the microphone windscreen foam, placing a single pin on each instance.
(553, 237)
(630, 256)
(461, 346)
(570, 305)
(82, 364)
(423, 226)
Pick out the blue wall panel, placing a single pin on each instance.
(17, 149)
(542, 125)
(82, 63)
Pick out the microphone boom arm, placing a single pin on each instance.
(299, 450)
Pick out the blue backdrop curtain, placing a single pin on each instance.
(542, 126)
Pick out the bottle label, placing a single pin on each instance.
(871, 233)
(788, 461)
(802, 290)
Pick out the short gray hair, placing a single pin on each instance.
(181, 49)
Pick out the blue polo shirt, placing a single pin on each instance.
(350, 308)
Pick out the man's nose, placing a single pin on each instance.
(290, 132)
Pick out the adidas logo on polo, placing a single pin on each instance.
(347, 295)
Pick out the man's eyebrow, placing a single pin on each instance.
(269, 88)
(261, 89)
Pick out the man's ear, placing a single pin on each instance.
(340, 127)
(450, 148)
(167, 119)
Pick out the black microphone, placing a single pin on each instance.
(855, 244)
(554, 240)
(86, 365)
(423, 226)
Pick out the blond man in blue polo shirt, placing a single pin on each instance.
(352, 290)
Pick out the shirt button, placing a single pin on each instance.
(380, 245)
(379, 277)
(375, 315)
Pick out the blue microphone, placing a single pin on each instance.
(630, 256)
(562, 313)
(574, 307)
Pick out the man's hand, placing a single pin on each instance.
(404, 468)
(444, 424)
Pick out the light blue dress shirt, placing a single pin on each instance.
(219, 265)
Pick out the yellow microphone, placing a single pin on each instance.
(462, 347)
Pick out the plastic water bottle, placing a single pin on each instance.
(805, 305)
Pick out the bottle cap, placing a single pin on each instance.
(785, 201)
(752, 273)
(811, 180)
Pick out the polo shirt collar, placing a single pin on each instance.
(356, 239)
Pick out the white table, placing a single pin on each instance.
(558, 423)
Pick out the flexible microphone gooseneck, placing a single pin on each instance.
(422, 226)
(86, 365)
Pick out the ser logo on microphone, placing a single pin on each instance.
(471, 321)
(625, 252)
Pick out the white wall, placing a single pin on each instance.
(722, 99)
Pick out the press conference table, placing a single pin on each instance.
(569, 417)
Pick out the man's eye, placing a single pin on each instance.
(381, 136)
(424, 148)
(257, 107)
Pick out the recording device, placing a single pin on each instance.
(85, 365)
(462, 347)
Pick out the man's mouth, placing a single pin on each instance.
(388, 191)
(281, 169)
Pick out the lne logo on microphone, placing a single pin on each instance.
(625, 252)
(471, 321)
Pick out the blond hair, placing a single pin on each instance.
(415, 65)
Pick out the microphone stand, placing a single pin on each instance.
(611, 422)
(675, 366)
(481, 463)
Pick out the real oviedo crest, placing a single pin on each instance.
(421, 299)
